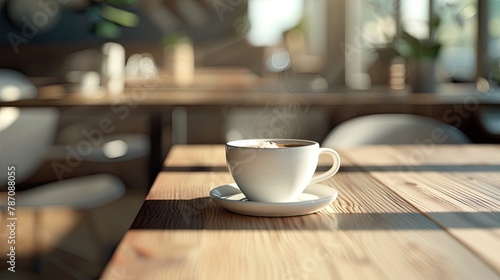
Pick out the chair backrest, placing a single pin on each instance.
(394, 129)
(25, 134)
(15, 86)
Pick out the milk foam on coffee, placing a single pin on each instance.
(268, 144)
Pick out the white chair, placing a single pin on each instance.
(22, 145)
(15, 86)
(25, 136)
(108, 149)
(490, 120)
(393, 129)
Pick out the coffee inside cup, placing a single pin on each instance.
(276, 144)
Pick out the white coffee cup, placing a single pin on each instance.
(278, 172)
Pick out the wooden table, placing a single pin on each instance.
(403, 212)
(453, 103)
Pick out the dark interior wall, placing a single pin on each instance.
(38, 53)
(74, 27)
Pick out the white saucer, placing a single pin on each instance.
(314, 198)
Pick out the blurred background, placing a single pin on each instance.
(75, 53)
(355, 39)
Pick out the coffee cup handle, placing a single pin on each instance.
(333, 170)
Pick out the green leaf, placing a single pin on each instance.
(106, 29)
(120, 17)
(408, 46)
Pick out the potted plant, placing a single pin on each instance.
(421, 57)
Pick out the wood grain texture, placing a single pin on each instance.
(196, 155)
(425, 157)
(467, 205)
(370, 232)
(463, 198)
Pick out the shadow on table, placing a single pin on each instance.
(202, 213)
(361, 168)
